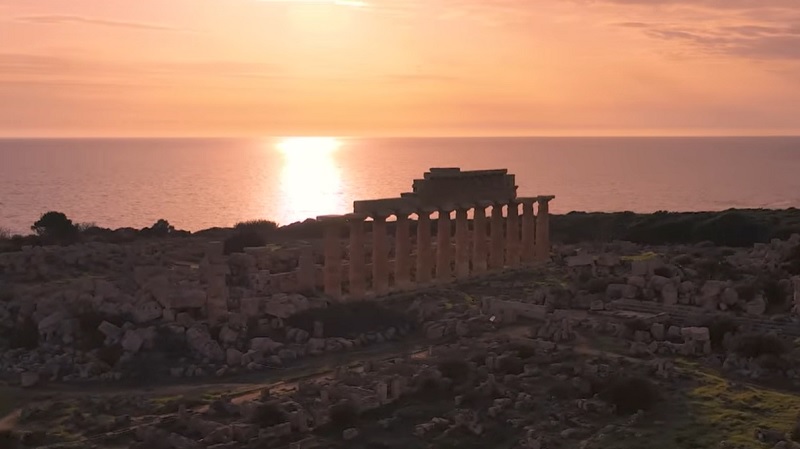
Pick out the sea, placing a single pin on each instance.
(201, 183)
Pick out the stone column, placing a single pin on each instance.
(443, 259)
(462, 241)
(332, 272)
(402, 251)
(543, 229)
(357, 265)
(306, 269)
(380, 254)
(528, 230)
(512, 235)
(424, 246)
(497, 248)
(479, 244)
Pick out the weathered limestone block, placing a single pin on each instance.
(669, 294)
(757, 306)
(194, 298)
(132, 341)
(111, 331)
(265, 344)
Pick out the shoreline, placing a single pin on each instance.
(730, 227)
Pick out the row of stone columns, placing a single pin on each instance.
(512, 241)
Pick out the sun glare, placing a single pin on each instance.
(350, 3)
(308, 146)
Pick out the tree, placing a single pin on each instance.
(55, 226)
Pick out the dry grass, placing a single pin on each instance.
(710, 409)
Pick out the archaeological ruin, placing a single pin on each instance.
(512, 235)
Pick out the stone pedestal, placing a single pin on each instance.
(357, 264)
(424, 247)
(306, 269)
(443, 259)
(512, 235)
(479, 234)
(497, 247)
(543, 229)
(462, 242)
(380, 255)
(402, 252)
(528, 230)
(332, 272)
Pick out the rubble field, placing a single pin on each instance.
(612, 345)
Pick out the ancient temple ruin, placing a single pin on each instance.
(511, 235)
(371, 261)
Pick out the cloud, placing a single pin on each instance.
(753, 41)
(58, 19)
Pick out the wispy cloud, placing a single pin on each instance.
(59, 19)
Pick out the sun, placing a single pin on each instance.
(308, 146)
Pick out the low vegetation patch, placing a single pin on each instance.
(631, 394)
(350, 319)
(757, 345)
(240, 240)
(717, 328)
(344, 415)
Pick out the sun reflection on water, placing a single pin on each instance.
(311, 182)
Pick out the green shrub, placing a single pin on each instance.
(631, 394)
(26, 335)
(55, 227)
(510, 365)
(663, 271)
(344, 415)
(596, 285)
(263, 227)
(746, 292)
(240, 240)
(269, 414)
(110, 355)
(455, 369)
(732, 228)
(637, 324)
(350, 319)
(756, 345)
(717, 328)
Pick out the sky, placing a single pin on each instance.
(399, 67)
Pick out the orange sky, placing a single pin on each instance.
(398, 67)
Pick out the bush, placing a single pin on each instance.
(456, 370)
(732, 228)
(596, 285)
(269, 414)
(5, 234)
(263, 227)
(172, 343)
(110, 355)
(26, 335)
(629, 395)
(55, 226)
(350, 319)
(240, 240)
(637, 324)
(757, 345)
(8, 440)
(344, 415)
(510, 365)
(717, 328)
(746, 292)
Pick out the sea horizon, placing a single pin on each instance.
(198, 183)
